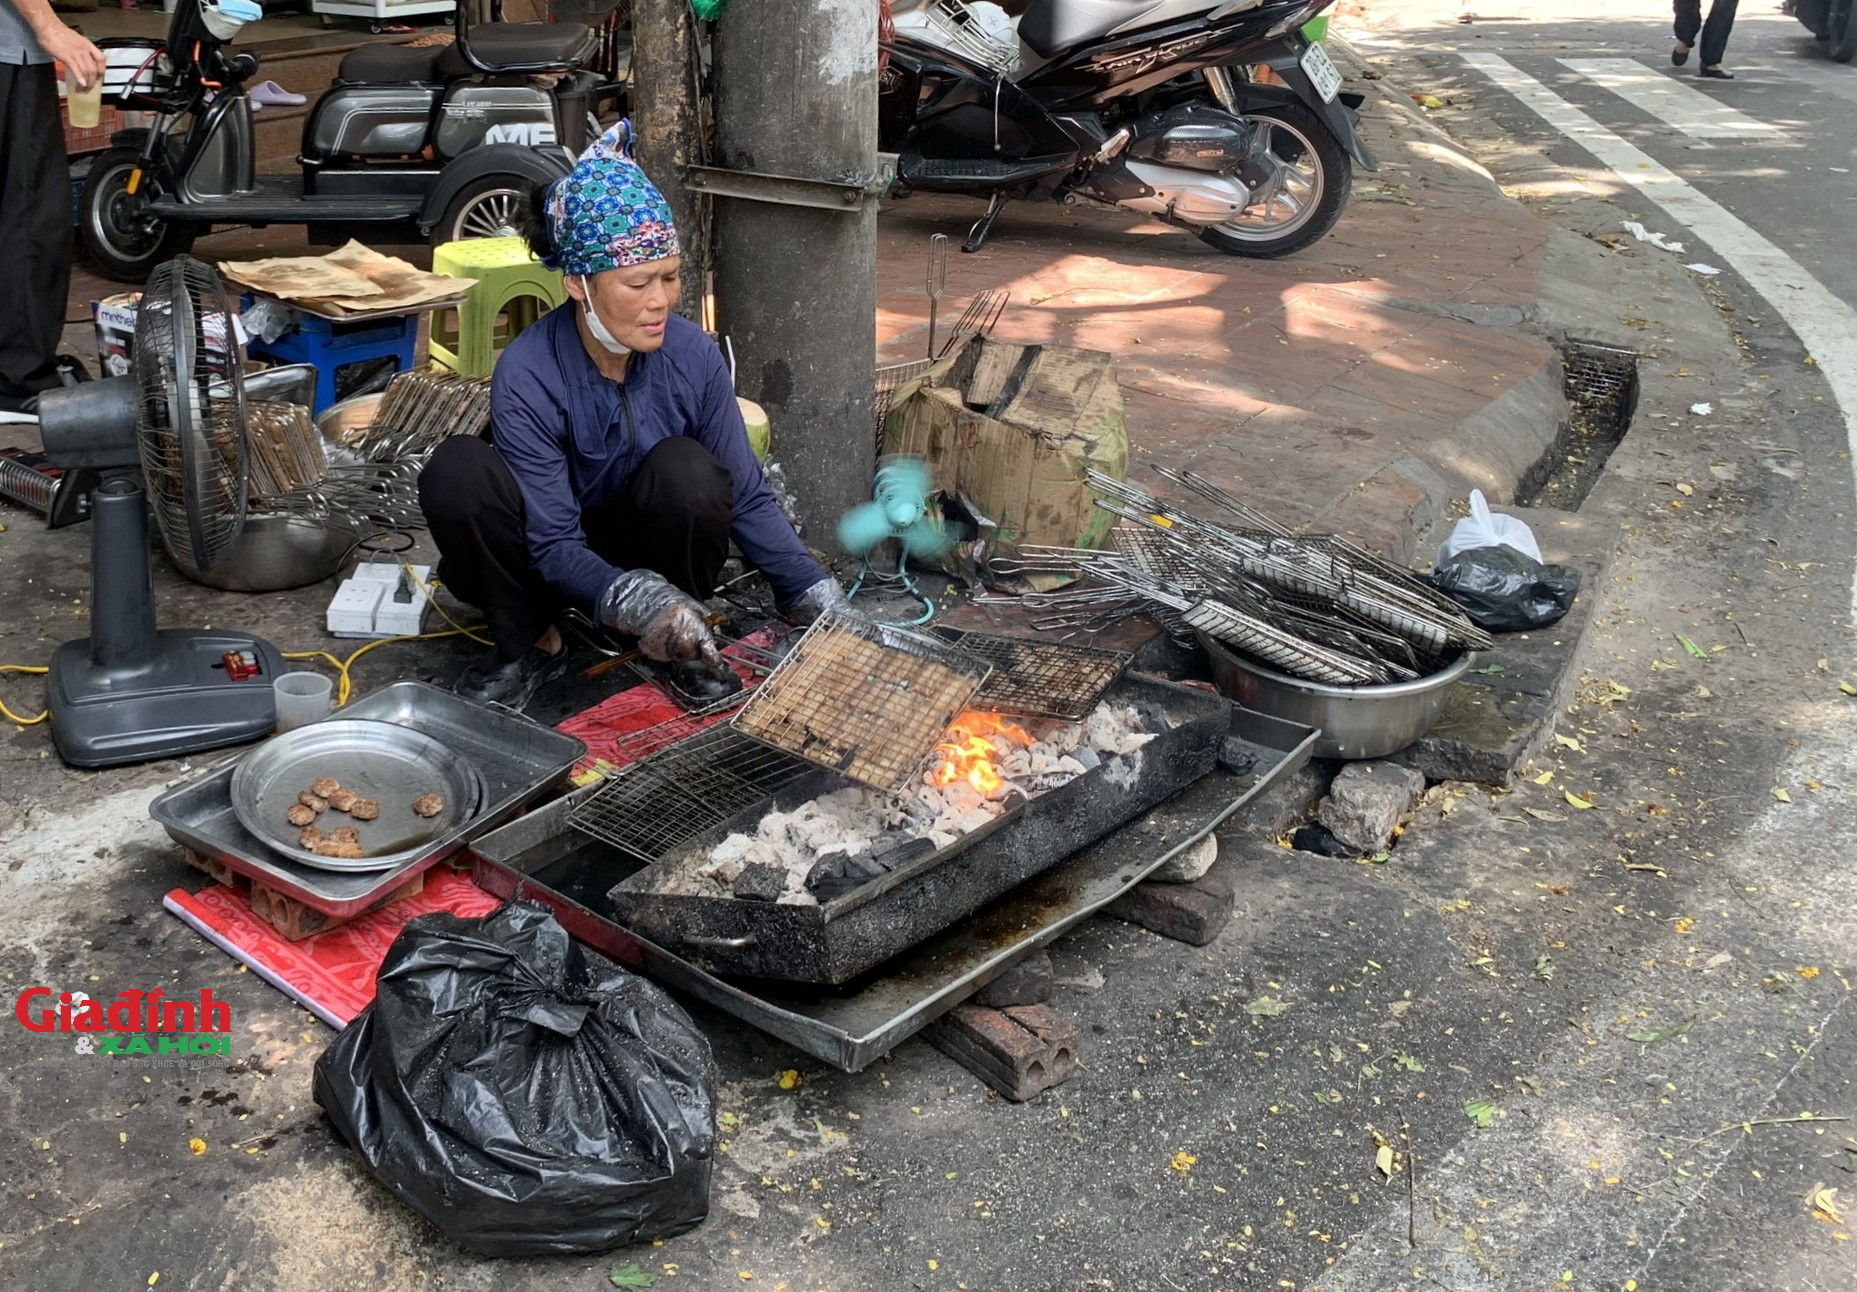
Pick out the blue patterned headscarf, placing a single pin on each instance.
(606, 214)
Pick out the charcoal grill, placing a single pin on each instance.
(1039, 679)
(837, 940)
(866, 700)
(681, 789)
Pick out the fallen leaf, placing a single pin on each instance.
(1541, 814)
(1685, 924)
(1183, 1162)
(1408, 1063)
(1546, 778)
(1480, 1111)
(1661, 1034)
(1825, 1202)
(1575, 800)
(1807, 971)
(1544, 967)
(1687, 490)
(1703, 693)
(1847, 688)
(1265, 1007)
(1572, 742)
(1690, 647)
(630, 1276)
(1782, 795)
(1384, 1160)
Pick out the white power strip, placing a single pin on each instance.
(380, 600)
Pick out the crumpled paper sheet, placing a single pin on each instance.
(353, 279)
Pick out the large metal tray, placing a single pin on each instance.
(541, 859)
(835, 941)
(519, 761)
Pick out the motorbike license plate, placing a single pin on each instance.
(1321, 70)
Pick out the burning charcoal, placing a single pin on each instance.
(1151, 717)
(323, 786)
(974, 820)
(300, 815)
(901, 853)
(1087, 758)
(836, 876)
(314, 803)
(761, 883)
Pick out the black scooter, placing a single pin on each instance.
(1141, 104)
(1830, 21)
(442, 142)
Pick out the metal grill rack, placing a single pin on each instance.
(866, 700)
(419, 410)
(692, 784)
(1039, 679)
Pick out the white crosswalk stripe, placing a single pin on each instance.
(1824, 323)
(1670, 101)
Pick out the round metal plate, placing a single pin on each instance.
(377, 760)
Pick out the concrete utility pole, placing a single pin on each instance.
(668, 112)
(795, 85)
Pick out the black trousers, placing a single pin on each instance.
(1714, 31)
(35, 214)
(673, 517)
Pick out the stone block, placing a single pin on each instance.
(1020, 1052)
(1189, 864)
(1028, 982)
(1366, 801)
(1192, 913)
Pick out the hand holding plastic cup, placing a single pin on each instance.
(83, 107)
(302, 698)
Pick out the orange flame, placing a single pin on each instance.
(968, 753)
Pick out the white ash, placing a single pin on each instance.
(858, 822)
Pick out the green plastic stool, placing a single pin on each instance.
(513, 290)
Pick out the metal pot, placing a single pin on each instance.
(340, 420)
(275, 552)
(1355, 721)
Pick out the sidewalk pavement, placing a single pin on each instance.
(1355, 387)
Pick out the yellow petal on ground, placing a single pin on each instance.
(1807, 971)
(197, 1147)
(791, 1079)
(1183, 1162)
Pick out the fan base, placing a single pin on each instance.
(179, 702)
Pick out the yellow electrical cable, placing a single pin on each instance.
(8, 714)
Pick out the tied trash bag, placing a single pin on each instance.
(1485, 528)
(1505, 590)
(527, 1097)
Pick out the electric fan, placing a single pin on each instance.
(903, 509)
(128, 692)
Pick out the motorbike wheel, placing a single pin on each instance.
(492, 207)
(1842, 28)
(1317, 175)
(119, 237)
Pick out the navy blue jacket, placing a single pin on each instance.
(562, 429)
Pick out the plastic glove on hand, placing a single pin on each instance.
(823, 597)
(667, 622)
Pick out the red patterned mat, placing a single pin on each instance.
(330, 974)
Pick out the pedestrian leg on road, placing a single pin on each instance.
(1714, 35)
(35, 211)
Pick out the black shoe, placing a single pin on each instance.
(488, 680)
(1717, 73)
(1678, 56)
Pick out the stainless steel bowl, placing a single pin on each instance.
(339, 421)
(378, 760)
(1355, 721)
(277, 551)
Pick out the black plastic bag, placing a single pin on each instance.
(1506, 591)
(526, 1096)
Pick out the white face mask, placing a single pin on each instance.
(606, 339)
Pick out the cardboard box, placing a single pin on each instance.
(115, 316)
(1014, 430)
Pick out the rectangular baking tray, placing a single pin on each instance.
(542, 859)
(520, 760)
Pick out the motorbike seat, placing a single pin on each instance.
(1050, 26)
(560, 45)
(387, 64)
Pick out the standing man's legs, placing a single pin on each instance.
(1688, 23)
(1715, 32)
(35, 212)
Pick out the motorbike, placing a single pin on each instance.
(444, 142)
(1831, 22)
(1147, 105)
